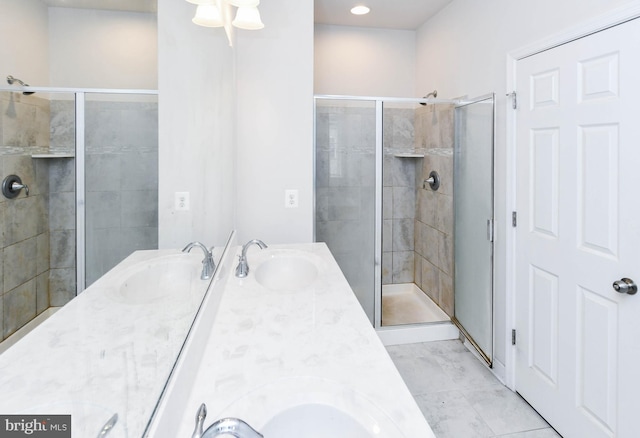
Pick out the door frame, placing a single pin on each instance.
(610, 19)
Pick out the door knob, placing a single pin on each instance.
(625, 286)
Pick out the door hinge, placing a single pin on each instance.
(513, 337)
(514, 99)
(514, 218)
(490, 230)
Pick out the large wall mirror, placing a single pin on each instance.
(86, 144)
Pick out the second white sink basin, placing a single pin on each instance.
(157, 279)
(287, 271)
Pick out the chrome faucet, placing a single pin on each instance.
(242, 270)
(208, 265)
(225, 426)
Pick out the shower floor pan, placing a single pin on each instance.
(407, 304)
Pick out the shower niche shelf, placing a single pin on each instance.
(408, 155)
(51, 156)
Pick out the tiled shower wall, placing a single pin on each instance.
(434, 209)
(398, 196)
(24, 231)
(37, 233)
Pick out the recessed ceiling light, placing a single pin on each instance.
(360, 10)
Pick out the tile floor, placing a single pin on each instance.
(460, 397)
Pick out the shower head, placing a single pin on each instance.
(433, 94)
(11, 80)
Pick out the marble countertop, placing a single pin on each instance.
(269, 350)
(104, 353)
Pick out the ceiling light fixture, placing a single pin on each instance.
(210, 14)
(360, 10)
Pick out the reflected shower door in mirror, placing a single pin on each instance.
(121, 179)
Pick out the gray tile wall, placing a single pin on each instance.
(398, 197)
(37, 233)
(24, 235)
(433, 267)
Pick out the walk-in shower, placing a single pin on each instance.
(90, 160)
(385, 204)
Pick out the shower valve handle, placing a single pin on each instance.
(12, 185)
(16, 187)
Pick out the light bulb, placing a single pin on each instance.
(208, 15)
(360, 10)
(248, 17)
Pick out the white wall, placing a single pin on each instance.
(463, 51)
(24, 32)
(365, 62)
(103, 49)
(275, 124)
(196, 128)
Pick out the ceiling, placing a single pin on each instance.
(109, 5)
(392, 14)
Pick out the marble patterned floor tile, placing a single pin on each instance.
(460, 397)
(422, 375)
(466, 371)
(451, 416)
(540, 433)
(504, 411)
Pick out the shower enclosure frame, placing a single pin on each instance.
(80, 95)
(487, 356)
(408, 332)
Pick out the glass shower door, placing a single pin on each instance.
(473, 226)
(345, 162)
(121, 179)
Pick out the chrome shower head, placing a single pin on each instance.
(433, 94)
(11, 80)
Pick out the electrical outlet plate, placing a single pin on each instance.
(291, 198)
(182, 201)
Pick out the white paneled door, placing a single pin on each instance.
(578, 232)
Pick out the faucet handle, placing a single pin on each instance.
(200, 416)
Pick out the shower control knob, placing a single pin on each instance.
(12, 185)
(625, 286)
(433, 181)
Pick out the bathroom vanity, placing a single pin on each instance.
(288, 349)
(292, 353)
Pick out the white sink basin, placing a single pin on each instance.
(312, 407)
(158, 279)
(314, 421)
(287, 271)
